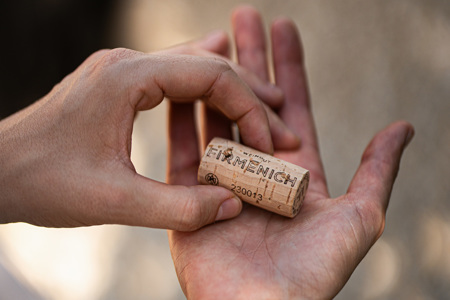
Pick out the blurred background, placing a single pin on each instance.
(369, 63)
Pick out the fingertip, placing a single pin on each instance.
(275, 96)
(216, 35)
(286, 40)
(271, 150)
(410, 132)
(265, 146)
(229, 208)
(283, 137)
(292, 141)
(266, 91)
(409, 136)
(284, 26)
(286, 140)
(282, 22)
(243, 10)
(216, 41)
(402, 128)
(258, 137)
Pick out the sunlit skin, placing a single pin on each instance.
(260, 255)
(66, 159)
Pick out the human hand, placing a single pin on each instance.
(216, 44)
(260, 255)
(66, 159)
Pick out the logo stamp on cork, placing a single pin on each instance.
(212, 179)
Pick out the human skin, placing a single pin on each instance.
(65, 160)
(260, 255)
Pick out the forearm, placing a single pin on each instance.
(10, 155)
(20, 156)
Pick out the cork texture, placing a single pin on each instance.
(255, 177)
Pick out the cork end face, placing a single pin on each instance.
(300, 196)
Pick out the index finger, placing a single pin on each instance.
(187, 78)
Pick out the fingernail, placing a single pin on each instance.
(275, 87)
(229, 209)
(409, 137)
(291, 141)
(277, 93)
(271, 150)
(293, 138)
(287, 140)
(297, 140)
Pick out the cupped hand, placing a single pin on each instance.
(66, 159)
(260, 255)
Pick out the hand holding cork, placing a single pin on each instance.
(255, 177)
(259, 255)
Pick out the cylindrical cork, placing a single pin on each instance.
(255, 177)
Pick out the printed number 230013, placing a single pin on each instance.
(246, 192)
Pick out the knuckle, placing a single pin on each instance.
(216, 65)
(101, 62)
(116, 55)
(221, 69)
(94, 57)
(104, 61)
(101, 69)
(191, 215)
(98, 53)
(221, 64)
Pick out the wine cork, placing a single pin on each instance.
(255, 177)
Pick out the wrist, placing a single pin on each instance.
(7, 174)
(18, 150)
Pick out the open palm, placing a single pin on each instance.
(260, 255)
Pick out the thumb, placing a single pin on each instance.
(181, 208)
